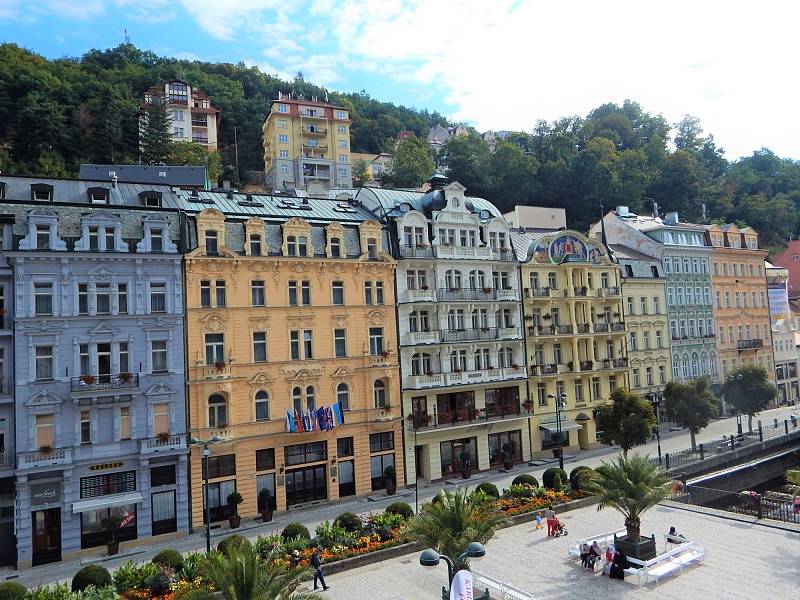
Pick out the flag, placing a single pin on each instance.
(298, 419)
(329, 417)
(321, 421)
(337, 410)
(312, 415)
(291, 426)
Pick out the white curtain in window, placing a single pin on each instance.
(163, 505)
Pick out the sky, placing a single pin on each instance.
(496, 64)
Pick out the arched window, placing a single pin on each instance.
(262, 406)
(703, 364)
(685, 366)
(343, 396)
(712, 364)
(477, 280)
(452, 279)
(217, 411)
(302, 245)
(379, 393)
(505, 357)
(421, 363)
(676, 365)
(297, 399)
(695, 365)
(310, 398)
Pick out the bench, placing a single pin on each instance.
(603, 539)
(504, 590)
(682, 556)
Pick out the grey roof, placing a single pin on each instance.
(150, 174)
(74, 191)
(273, 207)
(522, 241)
(391, 200)
(625, 252)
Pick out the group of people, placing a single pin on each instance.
(614, 564)
(316, 565)
(555, 528)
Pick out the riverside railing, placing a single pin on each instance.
(750, 503)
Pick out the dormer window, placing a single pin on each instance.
(42, 192)
(94, 238)
(372, 248)
(212, 247)
(2, 190)
(297, 245)
(156, 240)
(255, 245)
(336, 248)
(43, 237)
(110, 239)
(98, 195)
(150, 198)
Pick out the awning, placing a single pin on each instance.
(106, 502)
(565, 426)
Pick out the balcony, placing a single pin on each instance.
(379, 360)
(618, 327)
(424, 381)
(609, 292)
(42, 460)
(483, 376)
(200, 139)
(91, 383)
(508, 333)
(564, 329)
(602, 327)
(312, 115)
(545, 369)
(464, 416)
(418, 251)
(320, 147)
(615, 363)
(503, 254)
(221, 371)
(423, 337)
(586, 365)
(6, 386)
(542, 292)
(542, 330)
(506, 294)
(170, 443)
(451, 294)
(6, 460)
(421, 295)
(314, 131)
(469, 335)
(462, 252)
(582, 328)
(580, 292)
(754, 344)
(105, 450)
(199, 122)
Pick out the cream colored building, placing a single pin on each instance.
(193, 117)
(306, 142)
(784, 334)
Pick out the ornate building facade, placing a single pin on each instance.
(290, 311)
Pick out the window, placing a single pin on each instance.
(541, 394)
(205, 293)
(158, 351)
(212, 248)
(336, 247)
(43, 237)
(633, 340)
(160, 418)
(646, 340)
(122, 357)
(262, 406)
(152, 201)
(255, 244)
(44, 362)
(343, 158)
(628, 271)
(340, 343)
(379, 394)
(265, 459)
(368, 293)
(43, 299)
(215, 348)
(83, 299)
(654, 270)
(293, 293)
(308, 344)
(343, 396)
(220, 294)
(341, 128)
(284, 154)
(643, 305)
(259, 346)
(294, 345)
(103, 298)
(305, 293)
(257, 294)
(630, 303)
(381, 442)
(596, 392)
(659, 341)
(217, 415)
(94, 238)
(283, 138)
(122, 297)
(375, 340)
(282, 108)
(158, 297)
(552, 281)
(124, 423)
(45, 430)
(305, 453)
(421, 362)
(310, 398)
(372, 248)
(86, 427)
(337, 288)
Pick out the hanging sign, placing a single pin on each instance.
(461, 588)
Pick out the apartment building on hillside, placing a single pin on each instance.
(784, 334)
(193, 118)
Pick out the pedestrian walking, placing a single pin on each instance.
(550, 515)
(316, 564)
(538, 519)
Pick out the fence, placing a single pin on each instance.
(672, 460)
(744, 503)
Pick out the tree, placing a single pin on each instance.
(748, 389)
(361, 173)
(689, 134)
(454, 520)
(627, 421)
(690, 404)
(156, 140)
(411, 165)
(192, 154)
(513, 175)
(466, 160)
(632, 486)
(241, 574)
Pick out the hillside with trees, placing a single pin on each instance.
(55, 114)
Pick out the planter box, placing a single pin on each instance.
(643, 550)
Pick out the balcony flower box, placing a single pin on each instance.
(163, 437)
(487, 290)
(424, 288)
(429, 373)
(422, 246)
(220, 365)
(125, 377)
(384, 354)
(88, 379)
(46, 449)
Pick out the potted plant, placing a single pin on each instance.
(234, 500)
(528, 405)
(163, 437)
(429, 373)
(487, 290)
(507, 460)
(112, 524)
(46, 449)
(466, 465)
(390, 479)
(546, 316)
(385, 353)
(423, 287)
(88, 379)
(220, 364)
(265, 505)
(125, 377)
(632, 486)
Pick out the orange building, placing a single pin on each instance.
(741, 310)
(290, 308)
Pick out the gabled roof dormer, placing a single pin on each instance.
(255, 238)
(297, 238)
(42, 192)
(42, 232)
(98, 195)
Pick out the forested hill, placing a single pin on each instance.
(55, 114)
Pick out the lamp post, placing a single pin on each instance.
(431, 558)
(206, 453)
(656, 398)
(737, 377)
(560, 403)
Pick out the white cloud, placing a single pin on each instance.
(227, 19)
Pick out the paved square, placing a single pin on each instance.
(743, 560)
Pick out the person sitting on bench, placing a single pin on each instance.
(584, 554)
(674, 537)
(594, 555)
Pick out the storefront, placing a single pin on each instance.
(505, 443)
(458, 456)
(308, 483)
(45, 499)
(108, 501)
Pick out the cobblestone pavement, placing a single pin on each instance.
(744, 560)
(311, 517)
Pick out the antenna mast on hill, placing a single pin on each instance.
(127, 37)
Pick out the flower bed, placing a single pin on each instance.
(520, 505)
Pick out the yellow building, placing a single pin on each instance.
(290, 308)
(575, 333)
(306, 142)
(741, 309)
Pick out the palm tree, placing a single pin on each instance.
(631, 485)
(453, 520)
(241, 574)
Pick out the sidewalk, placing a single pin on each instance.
(311, 517)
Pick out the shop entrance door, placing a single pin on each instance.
(46, 536)
(306, 485)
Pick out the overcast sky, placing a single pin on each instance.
(501, 64)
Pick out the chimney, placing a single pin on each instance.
(114, 181)
(622, 211)
(437, 181)
(671, 218)
(655, 209)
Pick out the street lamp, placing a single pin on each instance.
(430, 558)
(560, 403)
(656, 398)
(206, 453)
(737, 377)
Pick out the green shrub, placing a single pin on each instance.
(93, 593)
(94, 575)
(296, 543)
(192, 564)
(169, 558)
(295, 530)
(525, 479)
(489, 489)
(59, 591)
(330, 535)
(158, 585)
(131, 576)
(579, 476)
(350, 522)
(400, 508)
(12, 590)
(520, 491)
(232, 541)
(554, 479)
